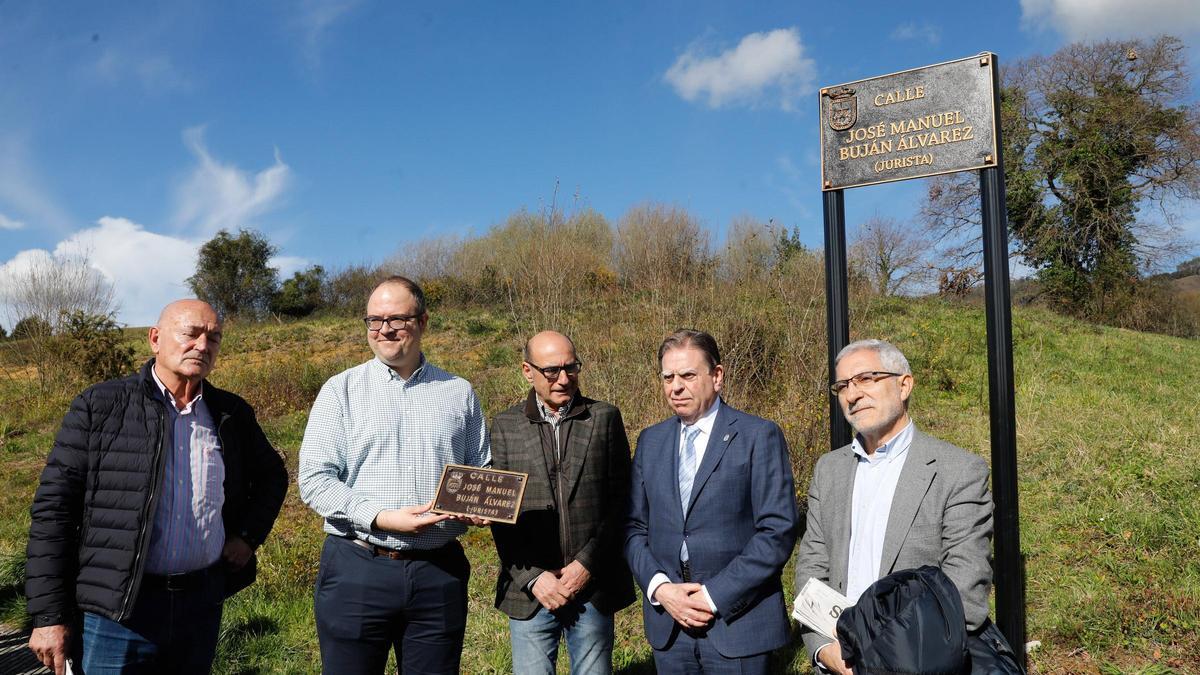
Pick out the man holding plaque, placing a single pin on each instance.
(392, 574)
(561, 569)
(712, 520)
(894, 499)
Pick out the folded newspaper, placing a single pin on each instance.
(818, 606)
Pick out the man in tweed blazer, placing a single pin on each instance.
(561, 568)
(893, 499)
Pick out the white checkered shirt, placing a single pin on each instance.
(375, 441)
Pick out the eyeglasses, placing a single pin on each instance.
(861, 380)
(393, 322)
(551, 372)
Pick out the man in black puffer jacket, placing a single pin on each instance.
(157, 491)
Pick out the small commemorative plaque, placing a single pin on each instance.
(483, 493)
(920, 122)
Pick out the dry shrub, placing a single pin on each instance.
(750, 252)
(285, 382)
(538, 265)
(660, 248)
(347, 289)
(1154, 306)
(762, 298)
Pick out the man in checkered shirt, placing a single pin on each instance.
(392, 574)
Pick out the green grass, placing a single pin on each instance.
(1108, 431)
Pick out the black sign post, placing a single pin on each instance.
(923, 122)
(837, 302)
(1010, 565)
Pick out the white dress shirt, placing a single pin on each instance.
(704, 425)
(875, 482)
(874, 487)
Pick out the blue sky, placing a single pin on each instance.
(345, 130)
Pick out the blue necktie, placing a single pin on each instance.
(687, 474)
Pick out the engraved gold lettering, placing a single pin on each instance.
(968, 135)
(903, 162)
(899, 96)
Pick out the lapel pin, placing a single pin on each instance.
(726, 439)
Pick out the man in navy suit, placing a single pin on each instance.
(712, 520)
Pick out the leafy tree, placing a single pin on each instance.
(300, 295)
(32, 328)
(1094, 134)
(233, 274)
(100, 351)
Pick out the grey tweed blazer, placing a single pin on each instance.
(941, 515)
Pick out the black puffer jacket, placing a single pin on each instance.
(93, 510)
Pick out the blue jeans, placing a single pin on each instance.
(171, 630)
(589, 640)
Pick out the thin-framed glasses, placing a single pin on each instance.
(551, 372)
(861, 380)
(393, 322)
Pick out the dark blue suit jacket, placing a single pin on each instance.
(740, 528)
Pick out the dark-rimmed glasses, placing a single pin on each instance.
(860, 380)
(551, 372)
(393, 322)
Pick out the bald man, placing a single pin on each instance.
(157, 491)
(561, 568)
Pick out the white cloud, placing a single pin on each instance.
(1093, 19)
(312, 20)
(288, 265)
(147, 270)
(217, 195)
(923, 32)
(21, 190)
(155, 73)
(759, 64)
(7, 223)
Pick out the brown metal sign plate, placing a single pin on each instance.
(921, 122)
(483, 493)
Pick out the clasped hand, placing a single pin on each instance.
(555, 588)
(686, 603)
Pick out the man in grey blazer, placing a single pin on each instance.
(561, 569)
(894, 499)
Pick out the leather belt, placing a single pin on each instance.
(177, 582)
(405, 554)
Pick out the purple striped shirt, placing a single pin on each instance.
(188, 532)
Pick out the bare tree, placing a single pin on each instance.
(60, 293)
(890, 256)
(49, 287)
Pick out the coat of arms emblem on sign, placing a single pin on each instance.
(843, 108)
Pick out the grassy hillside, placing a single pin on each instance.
(1108, 431)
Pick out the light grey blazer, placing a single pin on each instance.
(941, 515)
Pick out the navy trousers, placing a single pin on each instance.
(691, 653)
(368, 605)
